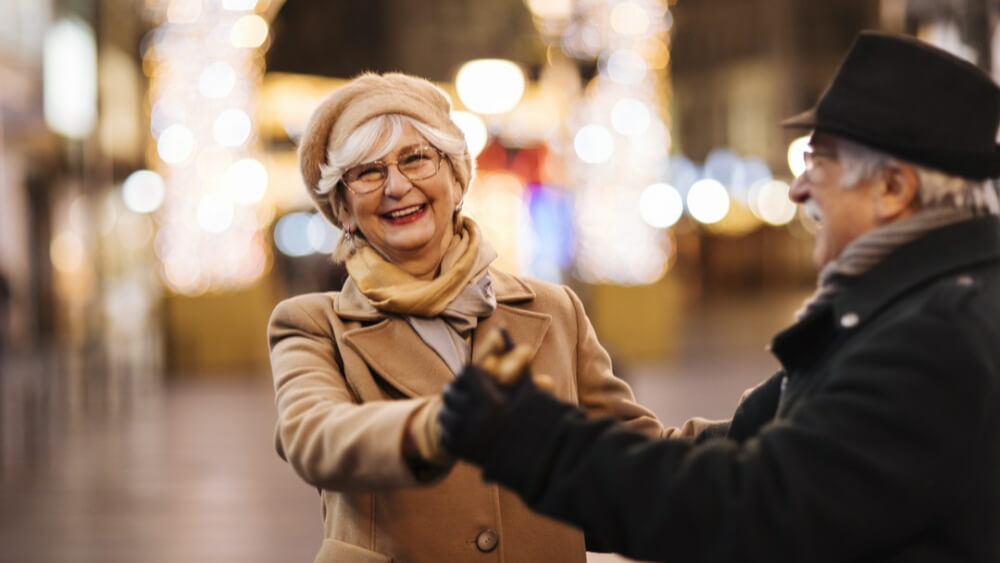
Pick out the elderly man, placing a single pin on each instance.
(880, 438)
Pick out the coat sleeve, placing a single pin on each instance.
(601, 393)
(331, 439)
(894, 440)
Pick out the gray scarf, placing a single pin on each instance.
(871, 248)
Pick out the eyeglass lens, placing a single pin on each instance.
(418, 164)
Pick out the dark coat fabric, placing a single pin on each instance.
(878, 442)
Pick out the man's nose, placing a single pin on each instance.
(800, 189)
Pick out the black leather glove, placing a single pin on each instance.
(476, 405)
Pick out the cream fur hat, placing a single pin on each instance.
(367, 96)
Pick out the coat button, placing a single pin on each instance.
(850, 320)
(965, 280)
(487, 540)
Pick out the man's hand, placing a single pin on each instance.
(477, 403)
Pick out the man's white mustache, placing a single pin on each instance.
(813, 211)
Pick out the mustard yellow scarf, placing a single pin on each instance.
(389, 289)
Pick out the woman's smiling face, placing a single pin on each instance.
(408, 222)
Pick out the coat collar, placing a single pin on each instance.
(941, 252)
(396, 353)
(351, 304)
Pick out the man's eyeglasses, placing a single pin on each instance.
(812, 170)
(418, 163)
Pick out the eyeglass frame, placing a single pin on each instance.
(810, 167)
(387, 163)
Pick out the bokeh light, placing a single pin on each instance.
(215, 212)
(551, 9)
(67, 252)
(594, 144)
(474, 129)
(232, 128)
(660, 205)
(708, 201)
(143, 191)
(322, 236)
(490, 86)
(175, 144)
(626, 67)
(217, 80)
(291, 234)
(796, 152)
(239, 5)
(772, 203)
(630, 116)
(245, 181)
(629, 18)
(250, 31)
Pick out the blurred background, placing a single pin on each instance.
(152, 215)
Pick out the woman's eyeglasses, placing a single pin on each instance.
(418, 163)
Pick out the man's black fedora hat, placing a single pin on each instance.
(915, 102)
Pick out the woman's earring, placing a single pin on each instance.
(458, 208)
(349, 236)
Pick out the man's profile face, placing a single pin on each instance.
(842, 213)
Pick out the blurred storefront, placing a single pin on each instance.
(151, 210)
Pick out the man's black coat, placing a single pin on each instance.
(878, 441)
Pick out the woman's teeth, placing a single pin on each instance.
(404, 212)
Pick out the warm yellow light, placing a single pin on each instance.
(184, 11)
(551, 9)
(215, 213)
(490, 86)
(245, 181)
(239, 5)
(660, 205)
(143, 191)
(249, 31)
(708, 201)
(773, 204)
(474, 129)
(594, 144)
(232, 128)
(69, 78)
(67, 252)
(175, 144)
(656, 52)
(796, 150)
(629, 18)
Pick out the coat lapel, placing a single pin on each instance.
(525, 327)
(395, 352)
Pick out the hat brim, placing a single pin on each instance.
(804, 120)
(979, 165)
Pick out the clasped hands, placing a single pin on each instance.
(474, 408)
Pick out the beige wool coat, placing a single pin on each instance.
(345, 385)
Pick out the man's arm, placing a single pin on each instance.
(860, 467)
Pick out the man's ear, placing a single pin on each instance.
(899, 196)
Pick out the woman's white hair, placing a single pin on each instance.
(373, 140)
(936, 188)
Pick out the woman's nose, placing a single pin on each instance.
(396, 184)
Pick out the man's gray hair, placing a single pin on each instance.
(936, 188)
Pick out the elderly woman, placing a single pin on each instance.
(358, 374)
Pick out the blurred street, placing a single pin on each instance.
(153, 213)
(99, 470)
